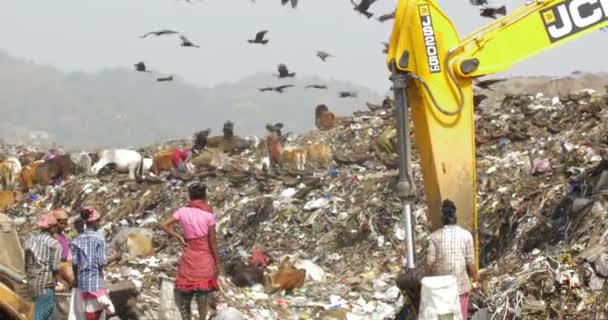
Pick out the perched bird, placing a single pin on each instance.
(294, 3)
(169, 78)
(479, 2)
(140, 67)
(160, 33)
(187, 43)
(316, 86)
(485, 84)
(284, 72)
(266, 89)
(386, 17)
(385, 50)
(323, 55)
(363, 7)
(348, 94)
(259, 38)
(280, 89)
(489, 12)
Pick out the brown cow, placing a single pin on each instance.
(294, 159)
(28, 175)
(231, 145)
(30, 157)
(286, 278)
(210, 159)
(59, 167)
(8, 199)
(318, 155)
(162, 162)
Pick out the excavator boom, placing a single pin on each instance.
(432, 70)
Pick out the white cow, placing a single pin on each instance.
(125, 160)
(147, 164)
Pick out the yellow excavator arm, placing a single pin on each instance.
(432, 72)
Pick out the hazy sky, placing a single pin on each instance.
(77, 35)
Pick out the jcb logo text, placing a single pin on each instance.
(571, 17)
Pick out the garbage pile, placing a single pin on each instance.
(541, 195)
(542, 202)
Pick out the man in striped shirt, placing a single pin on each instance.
(89, 259)
(42, 259)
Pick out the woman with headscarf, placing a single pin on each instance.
(199, 266)
(89, 260)
(42, 259)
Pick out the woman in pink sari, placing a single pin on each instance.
(199, 266)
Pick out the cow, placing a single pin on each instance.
(294, 158)
(9, 171)
(286, 278)
(8, 199)
(28, 175)
(55, 168)
(212, 158)
(162, 162)
(124, 160)
(30, 157)
(230, 145)
(318, 155)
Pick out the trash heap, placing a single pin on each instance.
(541, 183)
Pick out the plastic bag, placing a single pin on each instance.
(168, 308)
(76, 307)
(439, 299)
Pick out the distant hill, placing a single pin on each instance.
(553, 86)
(120, 107)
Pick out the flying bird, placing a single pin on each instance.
(284, 72)
(187, 43)
(485, 84)
(348, 94)
(259, 38)
(386, 17)
(479, 2)
(280, 89)
(385, 50)
(323, 55)
(141, 67)
(363, 7)
(316, 86)
(165, 79)
(489, 12)
(294, 3)
(160, 33)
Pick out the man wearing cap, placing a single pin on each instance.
(89, 260)
(450, 252)
(42, 259)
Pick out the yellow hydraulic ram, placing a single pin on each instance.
(432, 71)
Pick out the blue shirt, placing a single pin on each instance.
(89, 256)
